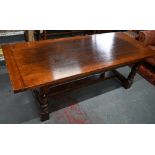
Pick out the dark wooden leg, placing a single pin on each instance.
(132, 75)
(42, 98)
(127, 82)
(44, 34)
(44, 114)
(102, 75)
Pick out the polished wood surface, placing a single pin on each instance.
(37, 64)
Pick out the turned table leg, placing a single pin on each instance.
(42, 98)
(44, 107)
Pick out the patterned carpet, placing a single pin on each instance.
(104, 102)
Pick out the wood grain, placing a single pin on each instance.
(36, 64)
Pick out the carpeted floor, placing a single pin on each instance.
(104, 102)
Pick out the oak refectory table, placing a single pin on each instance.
(49, 66)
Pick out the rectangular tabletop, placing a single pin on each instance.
(35, 64)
